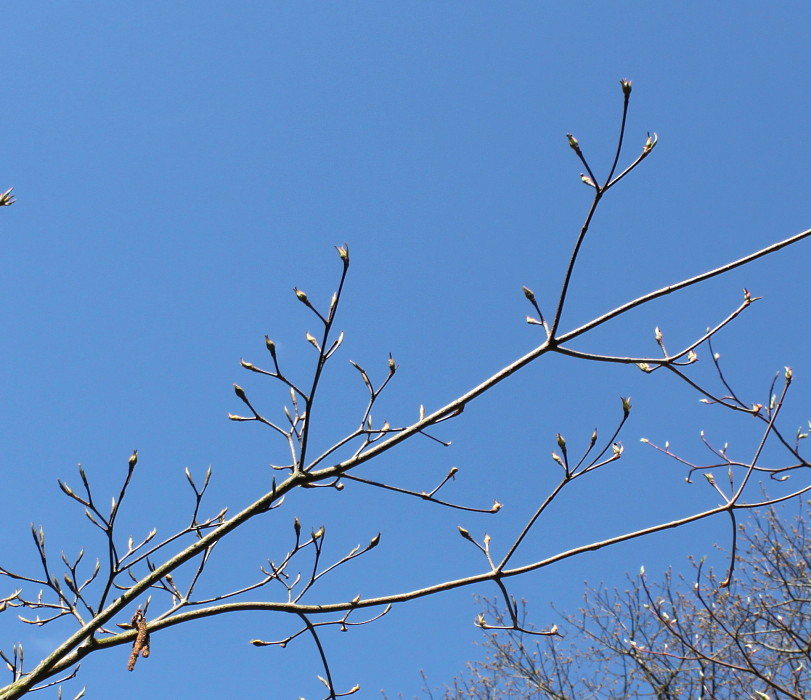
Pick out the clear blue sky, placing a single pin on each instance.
(179, 167)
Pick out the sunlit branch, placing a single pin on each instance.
(656, 361)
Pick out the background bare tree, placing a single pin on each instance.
(146, 584)
(674, 638)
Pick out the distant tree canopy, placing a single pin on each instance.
(672, 638)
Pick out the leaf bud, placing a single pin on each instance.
(302, 297)
(465, 534)
(626, 404)
(626, 87)
(587, 180)
(343, 252)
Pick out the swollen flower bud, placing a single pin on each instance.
(302, 297)
(573, 142)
